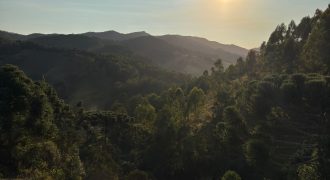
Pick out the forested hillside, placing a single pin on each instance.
(95, 80)
(192, 56)
(264, 117)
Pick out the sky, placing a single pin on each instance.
(242, 22)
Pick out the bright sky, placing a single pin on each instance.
(243, 22)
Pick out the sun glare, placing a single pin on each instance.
(224, 1)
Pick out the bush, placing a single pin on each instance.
(231, 175)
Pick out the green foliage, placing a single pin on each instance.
(195, 98)
(234, 132)
(251, 61)
(315, 56)
(231, 175)
(31, 130)
(308, 172)
(145, 113)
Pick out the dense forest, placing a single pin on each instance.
(76, 114)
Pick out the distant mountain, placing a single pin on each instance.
(204, 46)
(14, 36)
(191, 55)
(169, 56)
(11, 36)
(71, 41)
(116, 36)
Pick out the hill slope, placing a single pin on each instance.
(205, 46)
(191, 55)
(97, 80)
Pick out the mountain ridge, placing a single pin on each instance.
(188, 54)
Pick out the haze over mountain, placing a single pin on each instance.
(187, 54)
(203, 45)
(116, 36)
(96, 106)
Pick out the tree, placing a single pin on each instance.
(290, 54)
(38, 138)
(291, 30)
(316, 50)
(195, 98)
(277, 37)
(146, 114)
(231, 175)
(251, 62)
(232, 117)
(219, 65)
(206, 73)
(240, 66)
(303, 29)
(234, 134)
(308, 172)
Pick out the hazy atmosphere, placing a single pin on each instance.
(242, 22)
(165, 89)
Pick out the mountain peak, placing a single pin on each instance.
(116, 36)
(142, 33)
